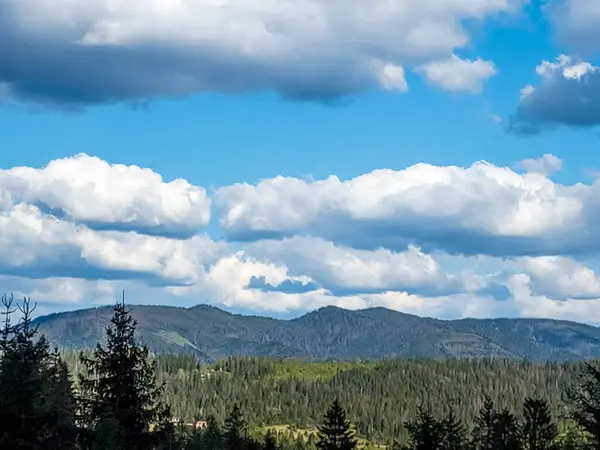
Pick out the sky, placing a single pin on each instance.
(271, 157)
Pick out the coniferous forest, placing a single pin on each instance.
(119, 396)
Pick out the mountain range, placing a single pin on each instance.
(329, 333)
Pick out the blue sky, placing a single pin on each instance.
(253, 105)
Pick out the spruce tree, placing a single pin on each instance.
(119, 390)
(335, 433)
(425, 432)
(483, 435)
(235, 430)
(539, 430)
(212, 436)
(61, 431)
(585, 397)
(35, 400)
(507, 434)
(454, 436)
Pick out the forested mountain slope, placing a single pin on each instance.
(330, 333)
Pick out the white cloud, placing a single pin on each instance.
(547, 164)
(63, 263)
(89, 190)
(567, 94)
(97, 51)
(561, 278)
(480, 209)
(528, 304)
(459, 75)
(345, 270)
(38, 245)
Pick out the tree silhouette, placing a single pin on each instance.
(506, 432)
(539, 430)
(425, 432)
(454, 436)
(483, 436)
(235, 430)
(335, 433)
(36, 404)
(212, 436)
(270, 441)
(585, 396)
(120, 391)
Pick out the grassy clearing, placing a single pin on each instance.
(306, 432)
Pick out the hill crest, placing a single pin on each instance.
(329, 333)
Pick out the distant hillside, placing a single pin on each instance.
(330, 333)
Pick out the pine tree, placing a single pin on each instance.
(483, 432)
(335, 433)
(212, 436)
(61, 432)
(506, 432)
(585, 397)
(35, 404)
(120, 392)
(235, 430)
(454, 436)
(539, 430)
(425, 432)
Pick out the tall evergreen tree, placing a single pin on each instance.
(585, 397)
(35, 404)
(454, 436)
(506, 433)
(483, 432)
(539, 430)
(212, 436)
(59, 400)
(335, 433)
(235, 430)
(119, 389)
(425, 432)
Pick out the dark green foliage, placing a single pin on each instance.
(484, 432)
(331, 333)
(585, 397)
(453, 433)
(425, 432)
(496, 430)
(270, 441)
(235, 430)
(539, 430)
(506, 431)
(36, 404)
(118, 391)
(335, 433)
(212, 436)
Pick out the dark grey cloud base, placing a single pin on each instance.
(55, 71)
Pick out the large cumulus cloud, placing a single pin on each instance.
(482, 209)
(66, 256)
(73, 54)
(89, 190)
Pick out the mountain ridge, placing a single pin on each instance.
(329, 333)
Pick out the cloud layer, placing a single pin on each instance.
(73, 54)
(482, 209)
(441, 241)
